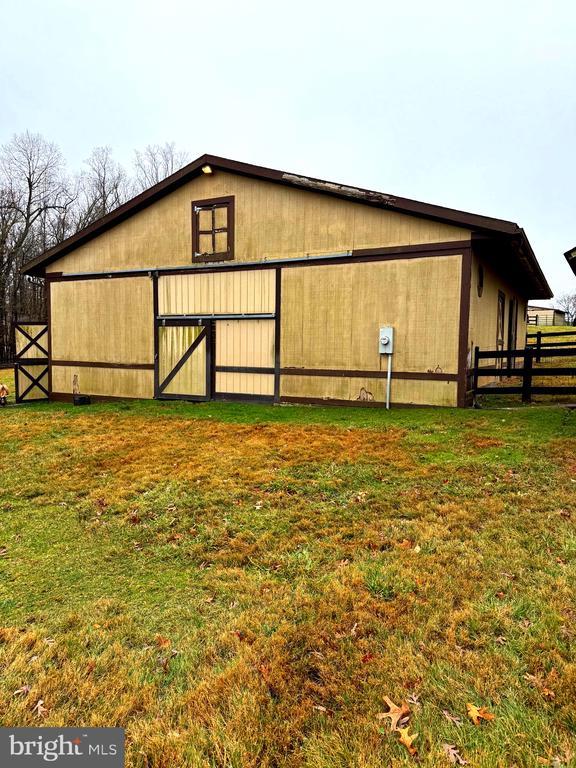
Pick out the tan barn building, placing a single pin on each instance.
(539, 315)
(232, 281)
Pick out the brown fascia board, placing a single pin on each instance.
(482, 224)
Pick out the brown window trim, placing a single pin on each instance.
(214, 202)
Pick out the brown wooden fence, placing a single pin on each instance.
(519, 363)
(535, 340)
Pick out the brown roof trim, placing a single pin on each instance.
(405, 205)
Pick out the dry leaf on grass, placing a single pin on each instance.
(548, 694)
(453, 754)
(40, 709)
(397, 714)
(407, 739)
(162, 642)
(478, 713)
(24, 691)
(452, 718)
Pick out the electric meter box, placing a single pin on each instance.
(386, 340)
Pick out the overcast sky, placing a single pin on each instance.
(469, 105)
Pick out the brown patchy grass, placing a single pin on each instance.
(237, 586)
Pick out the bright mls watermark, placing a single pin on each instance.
(79, 747)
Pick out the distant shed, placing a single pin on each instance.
(232, 281)
(538, 315)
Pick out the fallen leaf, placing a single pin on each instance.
(548, 694)
(366, 658)
(39, 708)
(501, 640)
(414, 699)
(3, 551)
(405, 544)
(452, 718)
(24, 691)
(453, 754)
(395, 713)
(478, 713)
(161, 642)
(407, 739)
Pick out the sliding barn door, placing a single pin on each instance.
(184, 362)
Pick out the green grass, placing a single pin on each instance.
(242, 585)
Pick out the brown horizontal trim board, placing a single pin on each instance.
(387, 253)
(93, 364)
(349, 403)
(241, 369)
(356, 374)
(65, 397)
(238, 396)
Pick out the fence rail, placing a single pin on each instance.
(538, 344)
(526, 372)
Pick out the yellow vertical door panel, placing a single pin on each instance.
(174, 344)
(245, 344)
(218, 293)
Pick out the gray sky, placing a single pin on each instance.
(470, 105)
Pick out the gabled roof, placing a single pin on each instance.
(474, 222)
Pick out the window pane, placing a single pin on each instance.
(205, 244)
(205, 220)
(221, 215)
(221, 242)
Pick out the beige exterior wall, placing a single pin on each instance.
(105, 321)
(367, 389)
(271, 221)
(484, 311)
(331, 315)
(108, 382)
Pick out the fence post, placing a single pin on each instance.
(475, 370)
(538, 345)
(527, 375)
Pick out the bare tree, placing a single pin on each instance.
(156, 162)
(103, 186)
(33, 187)
(567, 303)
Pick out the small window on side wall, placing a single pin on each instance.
(213, 229)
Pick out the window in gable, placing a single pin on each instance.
(213, 229)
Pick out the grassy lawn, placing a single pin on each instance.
(242, 585)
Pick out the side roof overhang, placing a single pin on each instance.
(481, 225)
(570, 257)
